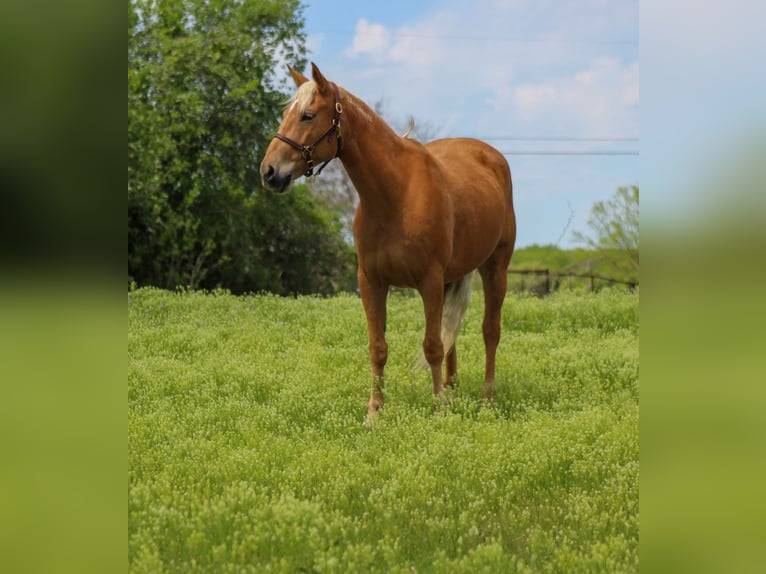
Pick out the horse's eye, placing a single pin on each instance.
(307, 117)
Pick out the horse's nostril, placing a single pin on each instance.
(268, 173)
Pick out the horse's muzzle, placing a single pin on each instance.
(273, 180)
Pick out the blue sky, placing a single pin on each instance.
(532, 77)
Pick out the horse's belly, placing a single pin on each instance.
(391, 265)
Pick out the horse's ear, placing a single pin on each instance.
(320, 80)
(297, 76)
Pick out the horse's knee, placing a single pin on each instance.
(433, 350)
(379, 353)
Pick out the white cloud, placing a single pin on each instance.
(369, 39)
(530, 100)
(600, 100)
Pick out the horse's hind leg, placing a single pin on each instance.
(451, 360)
(494, 277)
(457, 296)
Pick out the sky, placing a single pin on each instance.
(704, 118)
(554, 85)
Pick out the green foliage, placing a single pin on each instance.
(202, 106)
(247, 451)
(549, 257)
(615, 224)
(300, 246)
(611, 263)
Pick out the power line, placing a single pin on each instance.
(569, 152)
(557, 139)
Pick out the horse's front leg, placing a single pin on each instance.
(374, 301)
(432, 292)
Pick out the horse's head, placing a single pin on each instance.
(310, 132)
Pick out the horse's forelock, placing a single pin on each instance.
(303, 96)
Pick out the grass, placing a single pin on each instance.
(247, 450)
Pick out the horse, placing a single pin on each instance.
(428, 216)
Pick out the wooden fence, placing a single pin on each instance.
(548, 274)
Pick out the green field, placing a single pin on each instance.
(247, 450)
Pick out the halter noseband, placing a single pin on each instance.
(307, 150)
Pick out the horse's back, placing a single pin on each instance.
(469, 159)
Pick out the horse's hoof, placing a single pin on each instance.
(441, 402)
(372, 414)
(369, 420)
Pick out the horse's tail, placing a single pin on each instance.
(457, 295)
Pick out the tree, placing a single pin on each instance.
(203, 104)
(300, 248)
(615, 225)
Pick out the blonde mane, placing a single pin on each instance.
(303, 96)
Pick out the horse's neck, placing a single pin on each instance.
(368, 146)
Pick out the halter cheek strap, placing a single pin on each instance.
(308, 150)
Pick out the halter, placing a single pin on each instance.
(307, 150)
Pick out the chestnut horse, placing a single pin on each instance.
(428, 216)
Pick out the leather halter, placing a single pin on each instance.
(307, 150)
